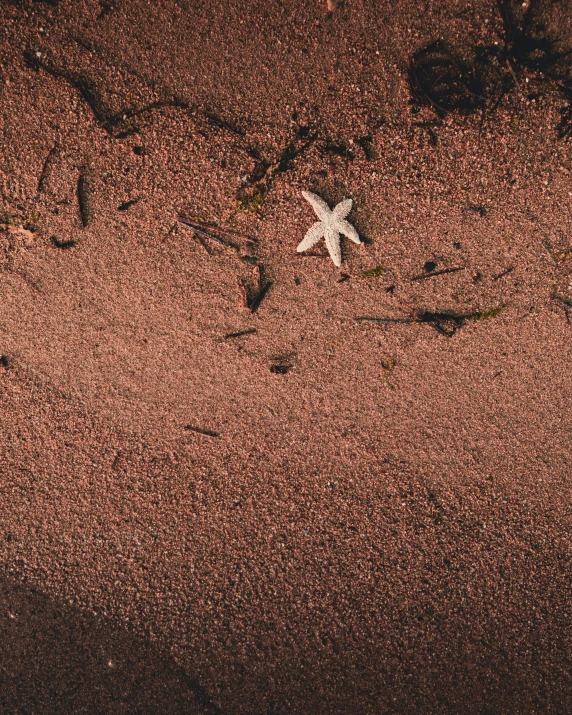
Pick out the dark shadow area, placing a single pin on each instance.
(439, 79)
(537, 38)
(55, 658)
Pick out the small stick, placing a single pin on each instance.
(195, 225)
(198, 430)
(510, 69)
(169, 232)
(407, 321)
(58, 243)
(240, 333)
(82, 199)
(481, 210)
(45, 168)
(424, 276)
(198, 229)
(257, 300)
(504, 273)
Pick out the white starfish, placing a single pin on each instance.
(330, 225)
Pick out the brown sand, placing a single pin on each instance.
(321, 515)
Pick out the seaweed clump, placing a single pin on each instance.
(439, 78)
(537, 38)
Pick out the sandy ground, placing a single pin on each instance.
(234, 478)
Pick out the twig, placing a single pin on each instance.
(432, 274)
(222, 124)
(366, 319)
(504, 273)
(63, 244)
(240, 333)
(198, 430)
(258, 298)
(83, 200)
(198, 228)
(45, 167)
(445, 322)
(169, 232)
(210, 230)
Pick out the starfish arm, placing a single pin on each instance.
(319, 205)
(314, 234)
(348, 230)
(333, 245)
(343, 208)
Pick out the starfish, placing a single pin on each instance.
(330, 225)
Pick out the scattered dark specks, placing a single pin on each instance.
(126, 205)
(339, 150)
(481, 210)
(106, 8)
(366, 143)
(199, 430)
(429, 266)
(58, 243)
(280, 369)
(433, 273)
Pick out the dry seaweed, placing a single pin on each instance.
(440, 79)
(445, 322)
(251, 196)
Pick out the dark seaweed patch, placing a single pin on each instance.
(126, 205)
(534, 39)
(366, 143)
(252, 194)
(340, 150)
(58, 243)
(445, 322)
(438, 78)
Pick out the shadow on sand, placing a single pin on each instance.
(55, 658)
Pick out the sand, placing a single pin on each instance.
(234, 478)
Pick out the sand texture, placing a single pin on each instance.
(234, 478)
